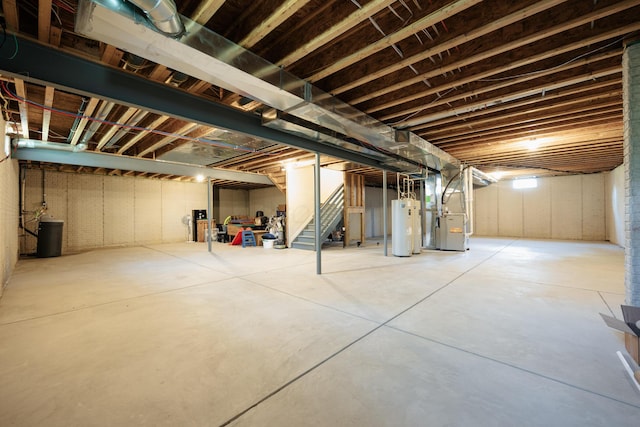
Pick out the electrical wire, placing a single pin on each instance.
(64, 5)
(15, 53)
(124, 125)
(55, 13)
(404, 119)
(444, 192)
(515, 77)
(560, 65)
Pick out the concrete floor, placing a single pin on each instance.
(507, 334)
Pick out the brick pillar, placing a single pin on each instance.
(631, 112)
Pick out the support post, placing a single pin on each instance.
(423, 207)
(384, 211)
(318, 220)
(631, 120)
(209, 211)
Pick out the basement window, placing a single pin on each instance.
(520, 184)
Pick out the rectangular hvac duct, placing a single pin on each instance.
(208, 56)
(111, 161)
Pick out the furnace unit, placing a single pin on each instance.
(451, 234)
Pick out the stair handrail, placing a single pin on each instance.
(330, 201)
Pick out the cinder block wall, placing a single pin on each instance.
(566, 208)
(102, 211)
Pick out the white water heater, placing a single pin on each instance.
(401, 227)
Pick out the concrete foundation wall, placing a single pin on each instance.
(101, 211)
(614, 208)
(9, 208)
(568, 207)
(374, 226)
(266, 200)
(232, 202)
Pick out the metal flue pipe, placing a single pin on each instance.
(163, 14)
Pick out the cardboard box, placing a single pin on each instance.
(282, 208)
(631, 328)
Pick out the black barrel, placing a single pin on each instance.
(50, 238)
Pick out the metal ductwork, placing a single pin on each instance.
(102, 114)
(58, 146)
(163, 14)
(39, 151)
(481, 179)
(208, 56)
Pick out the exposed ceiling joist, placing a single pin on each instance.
(516, 44)
(338, 29)
(281, 14)
(206, 10)
(497, 53)
(141, 134)
(46, 114)
(513, 96)
(185, 129)
(122, 119)
(433, 18)
(44, 20)
(463, 37)
(24, 112)
(504, 84)
(552, 101)
(10, 9)
(91, 106)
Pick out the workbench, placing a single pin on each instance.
(233, 229)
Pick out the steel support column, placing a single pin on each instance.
(318, 219)
(384, 211)
(209, 212)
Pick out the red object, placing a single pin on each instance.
(237, 240)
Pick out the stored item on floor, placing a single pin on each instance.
(202, 226)
(634, 376)
(268, 240)
(248, 239)
(631, 316)
(49, 237)
(198, 215)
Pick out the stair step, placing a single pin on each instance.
(331, 212)
(303, 245)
